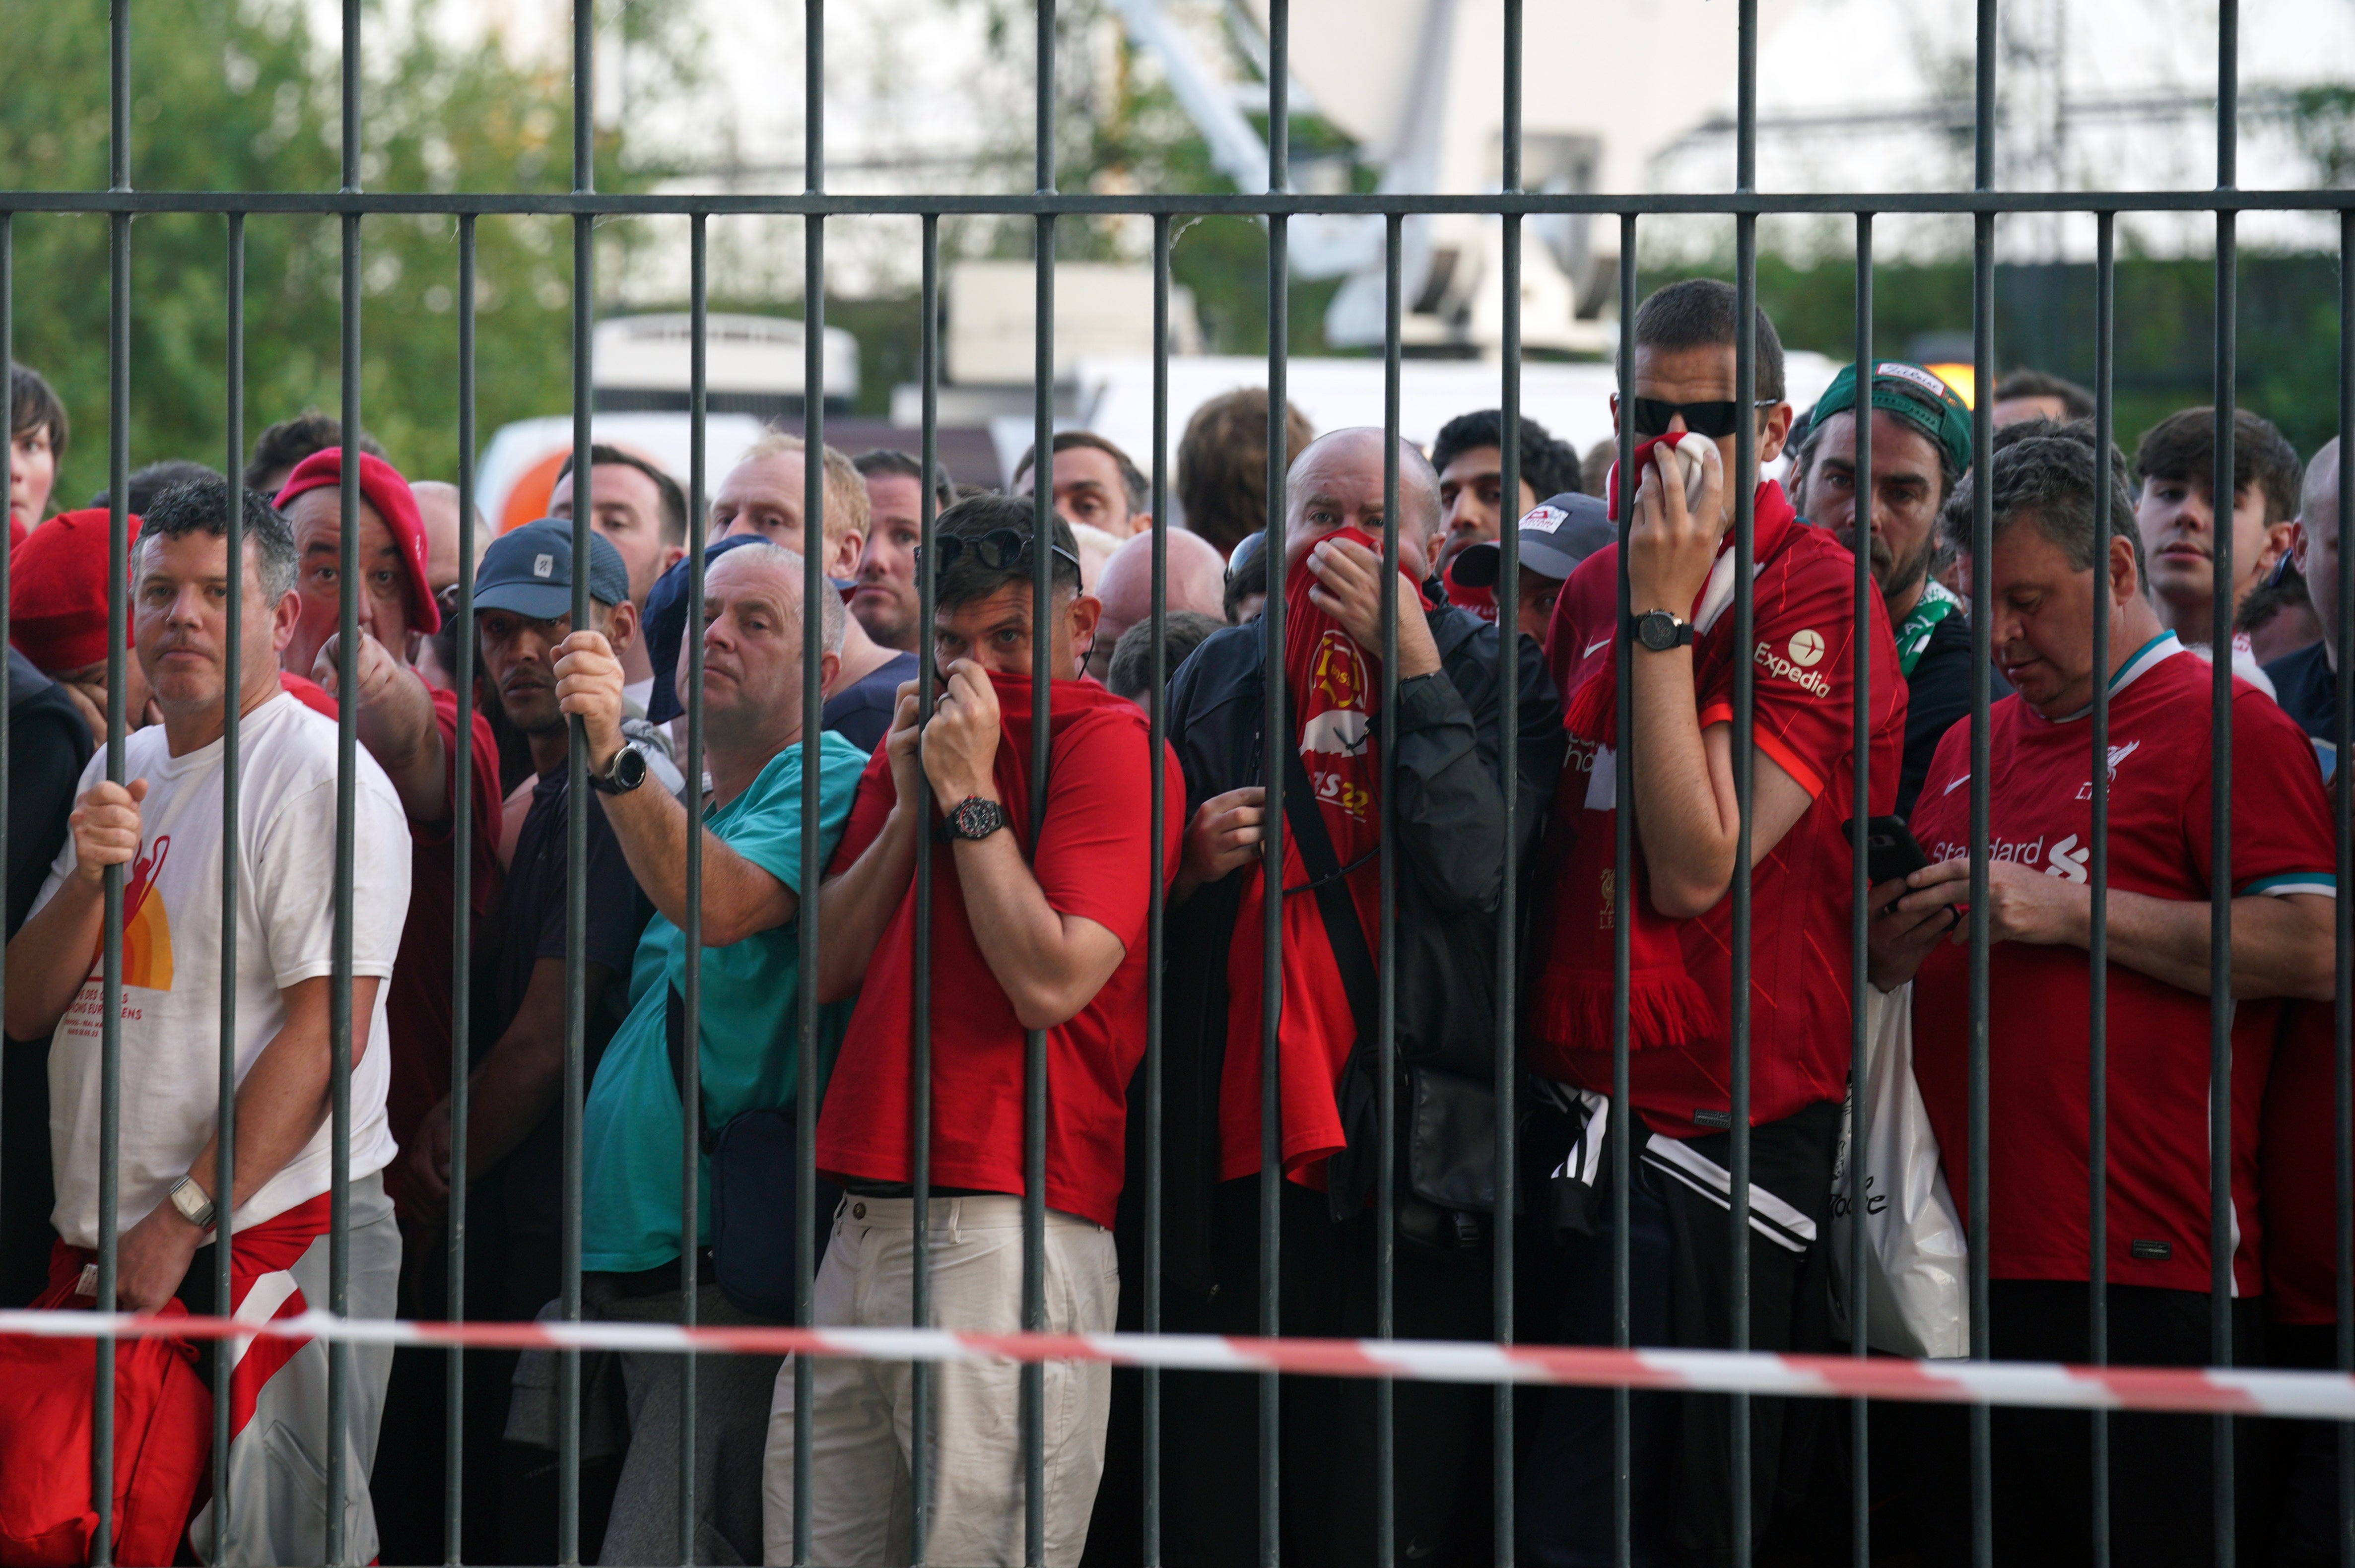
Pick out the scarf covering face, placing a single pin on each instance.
(1665, 1005)
(1330, 687)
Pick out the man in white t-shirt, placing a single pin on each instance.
(165, 829)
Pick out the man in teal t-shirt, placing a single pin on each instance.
(631, 1128)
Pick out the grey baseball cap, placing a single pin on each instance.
(529, 571)
(1557, 533)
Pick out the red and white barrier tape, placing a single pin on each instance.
(2229, 1390)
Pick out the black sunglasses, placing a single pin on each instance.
(1715, 420)
(1000, 550)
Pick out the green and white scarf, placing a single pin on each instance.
(1937, 603)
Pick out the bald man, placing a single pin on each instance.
(1198, 581)
(1457, 846)
(437, 508)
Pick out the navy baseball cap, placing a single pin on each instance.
(1559, 533)
(529, 571)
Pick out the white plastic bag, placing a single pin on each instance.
(1916, 1267)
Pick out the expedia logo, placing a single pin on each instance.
(1805, 649)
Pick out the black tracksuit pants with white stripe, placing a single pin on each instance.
(1680, 1270)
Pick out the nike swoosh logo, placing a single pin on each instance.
(1957, 784)
(1598, 642)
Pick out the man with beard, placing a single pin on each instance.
(1921, 447)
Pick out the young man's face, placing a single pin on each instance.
(885, 602)
(316, 517)
(181, 621)
(1904, 496)
(518, 661)
(32, 475)
(1471, 500)
(1706, 375)
(995, 632)
(627, 507)
(2178, 519)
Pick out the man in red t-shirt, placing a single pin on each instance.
(411, 730)
(1681, 571)
(2046, 592)
(1039, 931)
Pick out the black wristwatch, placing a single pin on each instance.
(624, 774)
(972, 817)
(1659, 630)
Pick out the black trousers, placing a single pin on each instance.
(1211, 1458)
(2161, 1470)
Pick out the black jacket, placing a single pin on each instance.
(1448, 813)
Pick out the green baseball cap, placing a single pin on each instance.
(1914, 394)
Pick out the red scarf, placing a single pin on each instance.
(1571, 1007)
(1329, 688)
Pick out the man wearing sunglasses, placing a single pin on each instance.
(1674, 913)
(1032, 930)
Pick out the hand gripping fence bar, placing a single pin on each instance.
(2325, 1396)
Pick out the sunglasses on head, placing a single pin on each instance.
(1000, 550)
(1715, 420)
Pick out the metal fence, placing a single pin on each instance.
(1047, 207)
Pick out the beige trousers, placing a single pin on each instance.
(860, 1412)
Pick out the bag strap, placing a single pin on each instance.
(1327, 879)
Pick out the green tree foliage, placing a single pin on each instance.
(245, 95)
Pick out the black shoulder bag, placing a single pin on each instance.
(754, 1176)
(1450, 1120)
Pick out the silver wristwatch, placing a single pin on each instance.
(193, 1206)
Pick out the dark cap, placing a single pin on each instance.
(529, 571)
(1557, 533)
(1914, 394)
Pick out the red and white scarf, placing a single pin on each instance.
(1330, 692)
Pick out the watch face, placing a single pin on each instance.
(973, 818)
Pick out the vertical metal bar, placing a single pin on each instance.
(2342, 1027)
(1042, 674)
(576, 815)
(1746, 453)
(1042, 581)
(2222, 494)
(7, 486)
(2098, 1007)
(813, 709)
(232, 779)
(1861, 742)
(814, 583)
(348, 709)
(919, 1134)
(1385, 975)
(118, 444)
(1982, 619)
(1506, 1067)
(462, 937)
(1277, 740)
(1156, 909)
(690, 1152)
(1623, 850)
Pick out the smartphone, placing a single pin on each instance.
(1890, 849)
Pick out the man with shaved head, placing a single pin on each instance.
(1437, 749)
(2306, 683)
(749, 820)
(1198, 581)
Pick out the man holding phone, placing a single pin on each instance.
(1805, 653)
(2048, 581)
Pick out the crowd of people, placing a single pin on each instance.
(1041, 891)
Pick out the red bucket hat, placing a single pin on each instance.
(57, 591)
(381, 487)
